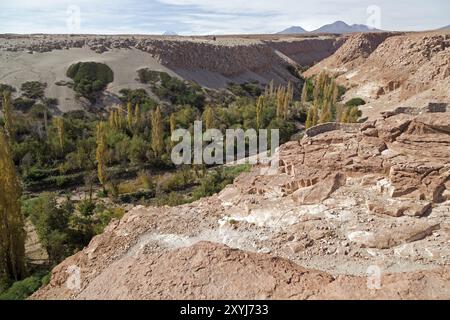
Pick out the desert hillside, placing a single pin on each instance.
(358, 205)
(210, 62)
(345, 199)
(392, 69)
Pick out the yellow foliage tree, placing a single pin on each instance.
(100, 155)
(137, 116)
(129, 116)
(7, 115)
(259, 111)
(172, 123)
(304, 93)
(12, 234)
(208, 117)
(59, 124)
(157, 132)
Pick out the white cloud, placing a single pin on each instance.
(215, 16)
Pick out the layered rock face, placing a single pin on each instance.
(344, 201)
(392, 69)
(228, 56)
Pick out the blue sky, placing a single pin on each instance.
(214, 16)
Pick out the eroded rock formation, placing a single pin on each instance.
(341, 202)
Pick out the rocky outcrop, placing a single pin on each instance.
(353, 52)
(341, 204)
(389, 70)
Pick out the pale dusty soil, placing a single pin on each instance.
(50, 67)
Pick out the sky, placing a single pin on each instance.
(198, 17)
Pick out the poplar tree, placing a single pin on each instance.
(309, 118)
(280, 101)
(12, 234)
(157, 132)
(129, 116)
(270, 90)
(7, 115)
(312, 118)
(100, 155)
(208, 116)
(259, 111)
(325, 114)
(172, 123)
(137, 116)
(59, 123)
(111, 119)
(304, 93)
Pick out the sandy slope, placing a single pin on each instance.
(50, 67)
(211, 63)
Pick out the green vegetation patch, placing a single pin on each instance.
(90, 78)
(21, 290)
(249, 89)
(33, 89)
(355, 102)
(169, 88)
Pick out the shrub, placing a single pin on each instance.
(249, 89)
(21, 290)
(137, 96)
(38, 111)
(355, 102)
(86, 207)
(23, 104)
(6, 87)
(216, 180)
(33, 89)
(177, 91)
(149, 76)
(90, 78)
(51, 224)
(173, 199)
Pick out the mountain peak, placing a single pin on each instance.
(338, 27)
(293, 30)
(342, 27)
(339, 23)
(170, 33)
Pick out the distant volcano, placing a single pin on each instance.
(293, 30)
(338, 27)
(170, 33)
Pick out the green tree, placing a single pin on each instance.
(101, 155)
(259, 111)
(7, 114)
(325, 114)
(59, 123)
(137, 116)
(52, 225)
(12, 234)
(172, 123)
(157, 132)
(129, 116)
(208, 117)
